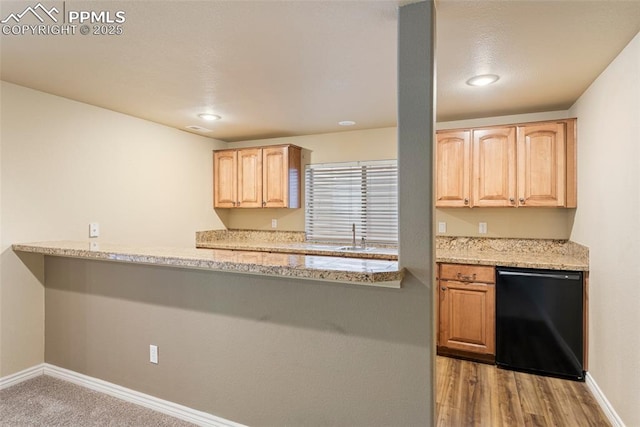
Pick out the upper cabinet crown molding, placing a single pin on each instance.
(257, 177)
(520, 165)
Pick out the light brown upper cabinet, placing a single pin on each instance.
(225, 181)
(529, 164)
(249, 178)
(545, 166)
(257, 177)
(494, 167)
(281, 169)
(237, 178)
(452, 168)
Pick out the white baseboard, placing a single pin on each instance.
(164, 406)
(18, 377)
(604, 403)
(173, 409)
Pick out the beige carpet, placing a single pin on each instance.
(47, 401)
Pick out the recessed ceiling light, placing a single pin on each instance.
(209, 117)
(347, 123)
(483, 80)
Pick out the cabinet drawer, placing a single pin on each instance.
(467, 273)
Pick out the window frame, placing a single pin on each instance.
(369, 199)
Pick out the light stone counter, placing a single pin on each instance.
(502, 259)
(305, 248)
(291, 242)
(524, 253)
(367, 272)
(506, 252)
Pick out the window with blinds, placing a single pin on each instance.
(339, 195)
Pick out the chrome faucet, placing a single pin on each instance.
(353, 231)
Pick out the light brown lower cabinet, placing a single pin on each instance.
(466, 311)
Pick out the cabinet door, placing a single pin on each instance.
(542, 164)
(250, 178)
(467, 316)
(452, 168)
(494, 167)
(224, 179)
(275, 174)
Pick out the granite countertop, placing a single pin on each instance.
(549, 254)
(502, 259)
(456, 255)
(304, 248)
(524, 253)
(266, 259)
(370, 272)
(291, 242)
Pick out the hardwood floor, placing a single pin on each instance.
(476, 394)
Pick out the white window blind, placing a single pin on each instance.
(339, 195)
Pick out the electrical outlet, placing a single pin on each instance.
(482, 228)
(153, 354)
(274, 223)
(442, 227)
(94, 246)
(94, 229)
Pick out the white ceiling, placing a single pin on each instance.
(283, 68)
(546, 52)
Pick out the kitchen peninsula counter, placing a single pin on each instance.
(264, 260)
(368, 272)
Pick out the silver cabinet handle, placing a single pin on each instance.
(466, 201)
(522, 200)
(512, 200)
(443, 288)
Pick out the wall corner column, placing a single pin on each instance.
(416, 98)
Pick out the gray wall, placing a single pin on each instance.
(256, 350)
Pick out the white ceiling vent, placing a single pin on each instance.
(198, 128)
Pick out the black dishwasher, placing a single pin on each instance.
(539, 321)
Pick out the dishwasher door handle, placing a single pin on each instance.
(545, 275)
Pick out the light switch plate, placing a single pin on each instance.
(94, 229)
(274, 223)
(153, 354)
(442, 227)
